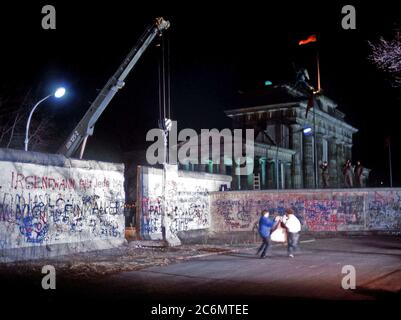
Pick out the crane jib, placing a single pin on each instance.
(86, 125)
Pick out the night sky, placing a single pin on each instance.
(216, 51)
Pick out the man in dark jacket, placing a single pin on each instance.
(348, 176)
(265, 226)
(325, 174)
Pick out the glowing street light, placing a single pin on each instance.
(57, 94)
(307, 131)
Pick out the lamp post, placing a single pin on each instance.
(306, 131)
(57, 94)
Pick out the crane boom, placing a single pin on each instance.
(85, 127)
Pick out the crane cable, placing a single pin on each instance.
(168, 78)
(164, 79)
(160, 86)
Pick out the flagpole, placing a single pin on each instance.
(314, 146)
(313, 38)
(389, 159)
(314, 121)
(318, 70)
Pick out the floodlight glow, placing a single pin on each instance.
(307, 130)
(59, 92)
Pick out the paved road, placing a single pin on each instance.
(240, 277)
(315, 273)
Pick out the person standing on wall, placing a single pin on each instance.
(264, 228)
(348, 177)
(358, 171)
(293, 226)
(325, 174)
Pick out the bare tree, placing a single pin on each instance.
(14, 112)
(386, 55)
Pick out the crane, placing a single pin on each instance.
(85, 127)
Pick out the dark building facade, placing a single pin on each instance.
(283, 154)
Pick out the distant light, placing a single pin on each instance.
(59, 92)
(165, 124)
(268, 83)
(307, 130)
(168, 124)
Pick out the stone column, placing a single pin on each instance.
(222, 166)
(319, 158)
(276, 171)
(287, 175)
(248, 183)
(256, 166)
(296, 135)
(332, 162)
(282, 175)
(236, 182)
(340, 162)
(210, 167)
(270, 174)
(308, 168)
(348, 151)
(244, 181)
(262, 166)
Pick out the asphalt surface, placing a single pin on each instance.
(314, 273)
(240, 276)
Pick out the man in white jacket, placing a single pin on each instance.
(293, 226)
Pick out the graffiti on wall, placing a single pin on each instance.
(188, 210)
(151, 215)
(325, 212)
(67, 206)
(187, 202)
(242, 213)
(330, 215)
(384, 210)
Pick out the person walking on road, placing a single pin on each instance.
(293, 226)
(265, 226)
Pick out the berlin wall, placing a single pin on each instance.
(51, 205)
(187, 200)
(319, 210)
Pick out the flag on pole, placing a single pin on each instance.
(310, 39)
(387, 142)
(310, 104)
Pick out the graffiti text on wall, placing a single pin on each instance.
(20, 181)
(242, 212)
(66, 205)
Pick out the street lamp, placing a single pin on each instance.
(306, 131)
(57, 94)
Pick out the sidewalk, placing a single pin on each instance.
(132, 256)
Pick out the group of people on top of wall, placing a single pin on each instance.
(353, 176)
